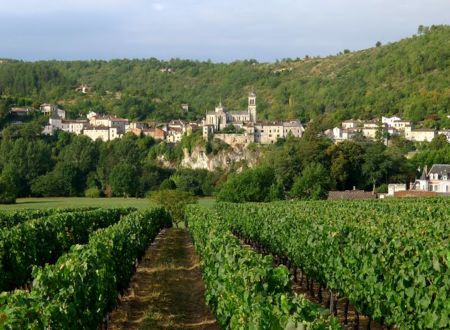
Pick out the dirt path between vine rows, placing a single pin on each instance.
(167, 291)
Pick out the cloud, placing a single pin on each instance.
(222, 30)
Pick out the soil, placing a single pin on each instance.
(167, 291)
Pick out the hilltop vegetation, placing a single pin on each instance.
(410, 78)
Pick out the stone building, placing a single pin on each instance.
(220, 118)
(252, 130)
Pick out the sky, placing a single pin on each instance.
(219, 30)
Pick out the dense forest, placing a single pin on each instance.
(410, 78)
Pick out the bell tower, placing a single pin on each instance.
(252, 106)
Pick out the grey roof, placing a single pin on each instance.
(424, 175)
(440, 169)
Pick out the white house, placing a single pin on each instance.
(109, 121)
(350, 124)
(420, 135)
(436, 180)
(338, 134)
(101, 132)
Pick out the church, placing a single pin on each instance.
(217, 120)
(254, 131)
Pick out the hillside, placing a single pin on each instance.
(410, 78)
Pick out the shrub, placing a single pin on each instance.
(7, 195)
(174, 201)
(92, 193)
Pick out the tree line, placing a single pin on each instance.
(294, 168)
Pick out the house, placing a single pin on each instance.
(109, 121)
(185, 107)
(135, 125)
(21, 111)
(52, 109)
(420, 135)
(70, 126)
(47, 109)
(370, 132)
(401, 125)
(396, 123)
(103, 133)
(350, 124)
(436, 180)
(174, 135)
(338, 134)
(372, 124)
(389, 121)
(270, 131)
(76, 126)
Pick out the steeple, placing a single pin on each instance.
(219, 108)
(252, 106)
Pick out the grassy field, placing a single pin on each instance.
(63, 202)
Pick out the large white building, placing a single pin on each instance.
(109, 121)
(420, 135)
(101, 132)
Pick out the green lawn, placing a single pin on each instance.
(64, 202)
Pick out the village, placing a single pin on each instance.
(246, 129)
(231, 127)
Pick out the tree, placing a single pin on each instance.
(378, 44)
(124, 180)
(346, 160)
(174, 202)
(376, 164)
(313, 183)
(197, 182)
(439, 142)
(253, 185)
(64, 180)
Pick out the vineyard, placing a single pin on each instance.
(80, 261)
(390, 259)
(73, 268)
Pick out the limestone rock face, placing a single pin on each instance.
(236, 157)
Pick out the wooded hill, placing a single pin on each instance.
(410, 78)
